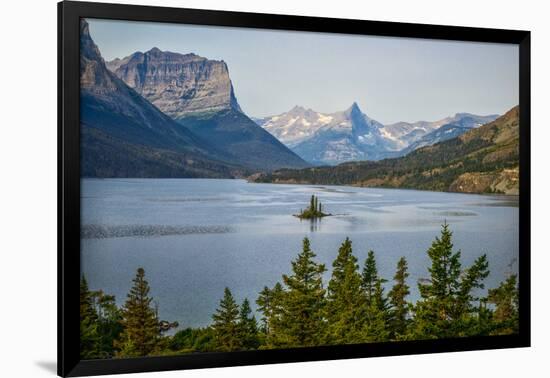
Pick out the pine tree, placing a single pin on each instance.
(345, 299)
(446, 308)
(109, 319)
(376, 309)
(226, 323)
(471, 280)
(397, 296)
(301, 317)
(272, 310)
(264, 303)
(141, 333)
(315, 204)
(506, 301)
(369, 277)
(89, 336)
(248, 327)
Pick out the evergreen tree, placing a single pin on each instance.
(506, 301)
(272, 310)
(226, 323)
(301, 320)
(370, 277)
(141, 333)
(376, 310)
(345, 299)
(248, 327)
(89, 336)
(446, 308)
(109, 325)
(264, 303)
(315, 204)
(399, 305)
(470, 281)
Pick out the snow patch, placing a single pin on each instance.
(323, 119)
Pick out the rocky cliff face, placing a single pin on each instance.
(198, 94)
(123, 135)
(178, 84)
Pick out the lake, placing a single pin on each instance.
(194, 237)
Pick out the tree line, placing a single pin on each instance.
(300, 311)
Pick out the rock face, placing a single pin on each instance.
(177, 84)
(123, 135)
(481, 160)
(505, 181)
(198, 94)
(330, 138)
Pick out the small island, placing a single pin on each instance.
(314, 211)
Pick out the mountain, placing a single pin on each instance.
(454, 127)
(351, 135)
(123, 135)
(481, 160)
(177, 84)
(330, 138)
(408, 133)
(198, 94)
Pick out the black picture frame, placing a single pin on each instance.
(69, 15)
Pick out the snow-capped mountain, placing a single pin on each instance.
(322, 138)
(333, 138)
(455, 126)
(408, 134)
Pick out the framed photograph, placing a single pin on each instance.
(239, 188)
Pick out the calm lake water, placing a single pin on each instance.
(193, 237)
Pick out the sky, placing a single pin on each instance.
(391, 79)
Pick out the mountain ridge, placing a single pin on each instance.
(112, 114)
(176, 83)
(328, 138)
(321, 138)
(198, 94)
(482, 160)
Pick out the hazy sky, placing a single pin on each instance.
(392, 79)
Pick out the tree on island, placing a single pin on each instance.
(315, 210)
